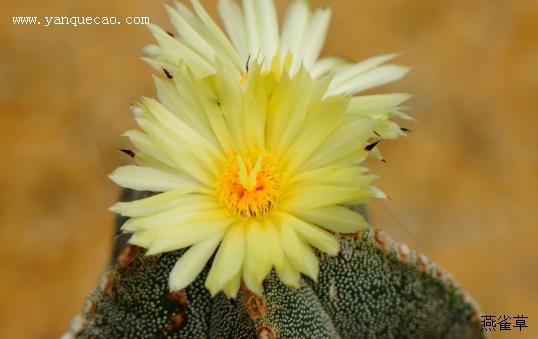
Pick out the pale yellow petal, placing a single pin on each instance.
(327, 65)
(176, 220)
(348, 73)
(313, 196)
(298, 111)
(289, 275)
(169, 148)
(322, 122)
(182, 133)
(294, 30)
(184, 236)
(192, 262)
(376, 102)
(335, 218)
(299, 254)
(272, 238)
(189, 33)
(320, 239)
(345, 140)
(174, 51)
(269, 27)
(192, 220)
(315, 35)
(262, 29)
(254, 111)
(249, 276)
(153, 204)
(232, 17)
(150, 179)
(179, 97)
(252, 22)
(228, 260)
(231, 106)
(218, 37)
(151, 51)
(212, 101)
(232, 286)
(148, 147)
(288, 109)
(258, 262)
(208, 31)
(333, 175)
(367, 195)
(186, 208)
(388, 130)
(370, 79)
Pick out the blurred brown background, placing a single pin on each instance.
(463, 184)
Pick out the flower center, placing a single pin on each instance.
(249, 185)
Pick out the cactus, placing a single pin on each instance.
(374, 288)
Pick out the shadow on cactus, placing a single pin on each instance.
(240, 218)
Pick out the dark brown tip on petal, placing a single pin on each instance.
(119, 232)
(248, 60)
(404, 129)
(171, 34)
(371, 146)
(377, 134)
(168, 75)
(128, 152)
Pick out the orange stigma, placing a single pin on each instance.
(249, 185)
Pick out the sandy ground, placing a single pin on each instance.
(462, 185)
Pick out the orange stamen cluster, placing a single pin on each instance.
(249, 185)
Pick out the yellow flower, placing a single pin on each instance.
(254, 146)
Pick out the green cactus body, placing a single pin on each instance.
(374, 288)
